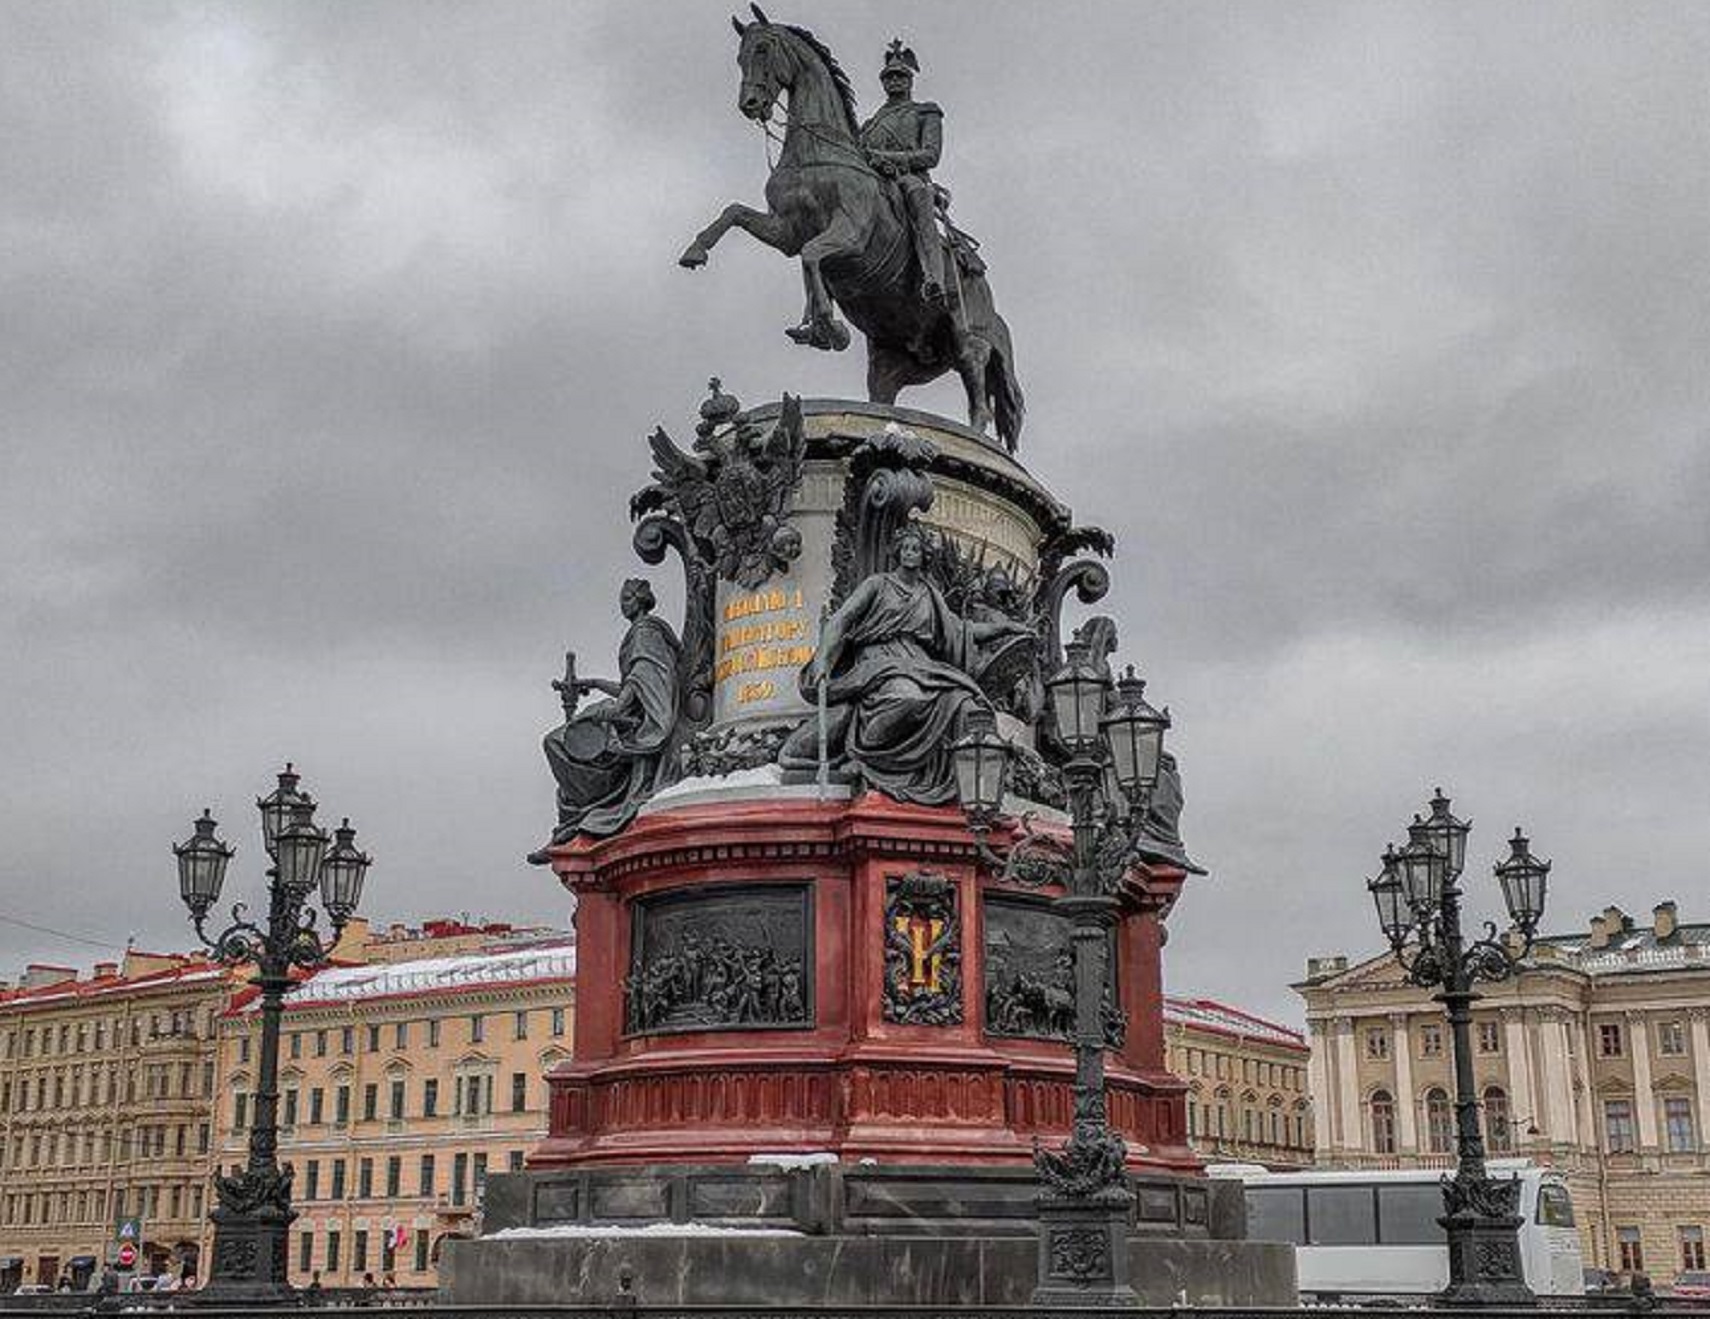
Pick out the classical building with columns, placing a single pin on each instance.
(1593, 1059)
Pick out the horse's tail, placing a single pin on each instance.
(1009, 408)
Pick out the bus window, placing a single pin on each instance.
(1408, 1214)
(1341, 1215)
(1276, 1213)
(1555, 1208)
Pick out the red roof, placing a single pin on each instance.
(189, 967)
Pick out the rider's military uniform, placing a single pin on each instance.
(908, 136)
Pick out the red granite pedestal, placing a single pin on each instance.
(677, 1166)
(850, 1082)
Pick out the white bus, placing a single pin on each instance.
(1360, 1233)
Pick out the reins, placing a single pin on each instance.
(858, 157)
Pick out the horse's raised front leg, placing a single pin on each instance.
(765, 226)
(823, 329)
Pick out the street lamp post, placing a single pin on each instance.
(1419, 908)
(1114, 746)
(254, 1213)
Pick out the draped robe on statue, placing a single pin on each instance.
(609, 758)
(900, 689)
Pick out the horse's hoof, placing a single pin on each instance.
(838, 335)
(693, 258)
(802, 334)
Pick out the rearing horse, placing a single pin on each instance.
(829, 206)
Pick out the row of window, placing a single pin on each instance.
(1612, 1039)
(174, 1203)
(71, 1149)
(1620, 1132)
(1212, 1122)
(1498, 1125)
(84, 1036)
(320, 1040)
(359, 1262)
(1487, 1036)
(468, 1176)
(1254, 1071)
(98, 1086)
(1630, 1248)
(472, 1095)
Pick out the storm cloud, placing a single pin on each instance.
(1376, 332)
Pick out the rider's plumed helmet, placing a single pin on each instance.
(899, 59)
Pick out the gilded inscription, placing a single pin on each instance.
(761, 631)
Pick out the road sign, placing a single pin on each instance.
(128, 1229)
(127, 1256)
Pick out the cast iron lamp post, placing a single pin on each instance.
(1419, 908)
(1114, 742)
(254, 1213)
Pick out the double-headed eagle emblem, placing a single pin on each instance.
(733, 493)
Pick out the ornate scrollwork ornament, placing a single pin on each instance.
(888, 481)
(255, 1189)
(1091, 1162)
(1480, 1197)
(1080, 1255)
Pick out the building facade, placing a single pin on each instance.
(1247, 1092)
(1593, 1059)
(107, 1086)
(402, 1084)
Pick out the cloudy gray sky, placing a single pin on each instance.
(1377, 333)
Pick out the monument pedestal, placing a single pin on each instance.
(772, 1234)
(784, 975)
(820, 1032)
(1082, 1255)
(815, 1045)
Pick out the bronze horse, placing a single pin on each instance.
(829, 206)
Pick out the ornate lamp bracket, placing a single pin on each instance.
(1030, 860)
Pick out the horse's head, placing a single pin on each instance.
(767, 58)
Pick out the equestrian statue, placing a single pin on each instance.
(857, 203)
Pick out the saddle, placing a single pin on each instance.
(964, 247)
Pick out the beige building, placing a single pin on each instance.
(1594, 1059)
(1247, 1096)
(403, 1083)
(107, 1087)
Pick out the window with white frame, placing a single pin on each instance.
(1678, 1135)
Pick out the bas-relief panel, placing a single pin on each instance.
(726, 959)
(1030, 980)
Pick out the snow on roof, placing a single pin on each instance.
(1209, 1014)
(190, 973)
(1635, 948)
(555, 960)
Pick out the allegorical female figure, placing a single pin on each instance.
(895, 660)
(609, 758)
